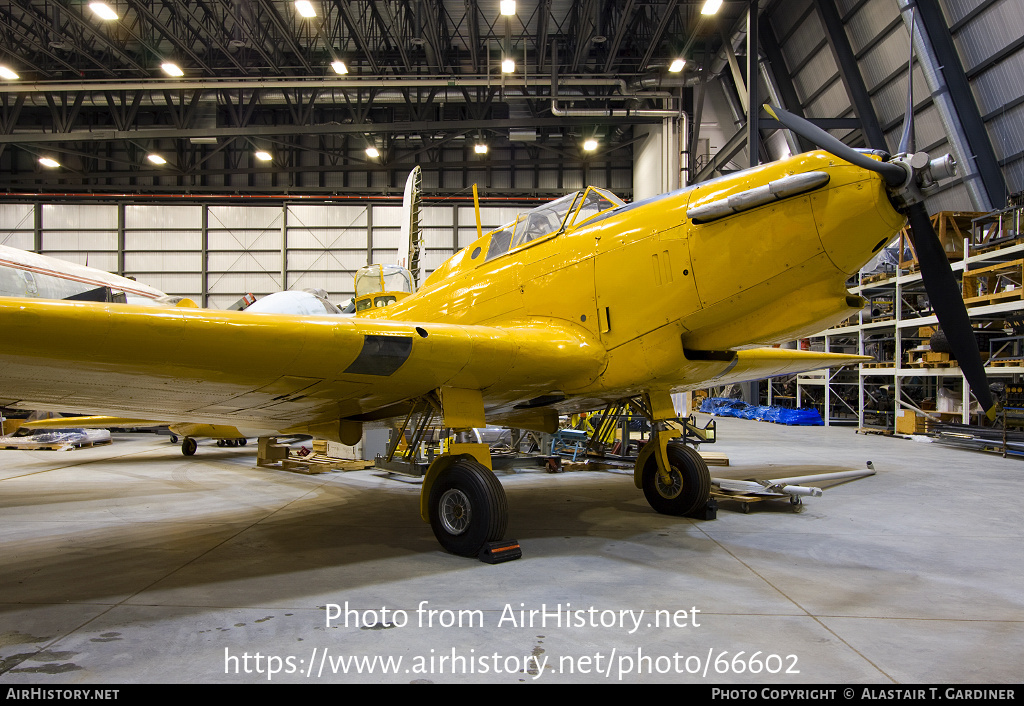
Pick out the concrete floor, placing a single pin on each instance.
(133, 564)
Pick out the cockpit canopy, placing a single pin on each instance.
(380, 285)
(558, 215)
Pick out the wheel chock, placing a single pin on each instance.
(708, 512)
(498, 552)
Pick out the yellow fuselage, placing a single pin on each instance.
(643, 283)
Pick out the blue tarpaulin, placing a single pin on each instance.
(724, 407)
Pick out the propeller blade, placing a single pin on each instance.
(907, 141)
(893, 174)
(947, 301)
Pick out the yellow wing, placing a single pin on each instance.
(270, 373)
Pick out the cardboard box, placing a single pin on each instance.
(908, 422)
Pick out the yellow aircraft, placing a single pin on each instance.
(577, 304)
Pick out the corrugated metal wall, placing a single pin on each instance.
(229, 251)
(988, 37)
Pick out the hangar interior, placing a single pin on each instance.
(224, 148)
(424, 85)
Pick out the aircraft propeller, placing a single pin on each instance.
(908, 175)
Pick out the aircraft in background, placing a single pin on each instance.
(28, 274)
(582, 303)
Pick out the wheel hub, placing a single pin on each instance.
(669, 485)
(456, 512)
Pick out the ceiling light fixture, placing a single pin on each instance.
(508, 66)
(263, 156)
(372, 152)
(711, 7)
(480, 148)
(305, 8)
(339, 67)
(590, 145)
(7, 73)
(677, 65)
(103, 10)
(156, 159)
(508, 7)
(49, 162)
(172, 69)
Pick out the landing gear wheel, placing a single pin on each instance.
(174, 439)
(243, 442)
(795, 500)
(189, 446)
(687, 487)
(468, 508)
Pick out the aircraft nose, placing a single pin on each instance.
(855, 220)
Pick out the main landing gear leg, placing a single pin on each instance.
(674, 477)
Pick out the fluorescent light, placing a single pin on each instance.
(263, 156)
(480, 148)
(711, 7)
(172, 69)
(508, 66)
(103, 10)
(7, 73)
(677, 65)
(372, 152)
(339, 67)
(508, 7)
(590, 145)
(48, 162)
(305, 8)
(156, 159)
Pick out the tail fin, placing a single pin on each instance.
(410, 244)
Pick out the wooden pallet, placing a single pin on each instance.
(1012, 295)
(1006, 362)
(318, 463)
(929, 359)
(879, 277)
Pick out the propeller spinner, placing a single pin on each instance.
(909, 176)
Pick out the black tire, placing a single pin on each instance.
(691, 482)
(243, 442)
(939, 343)
(468, 508)
(189, 446)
